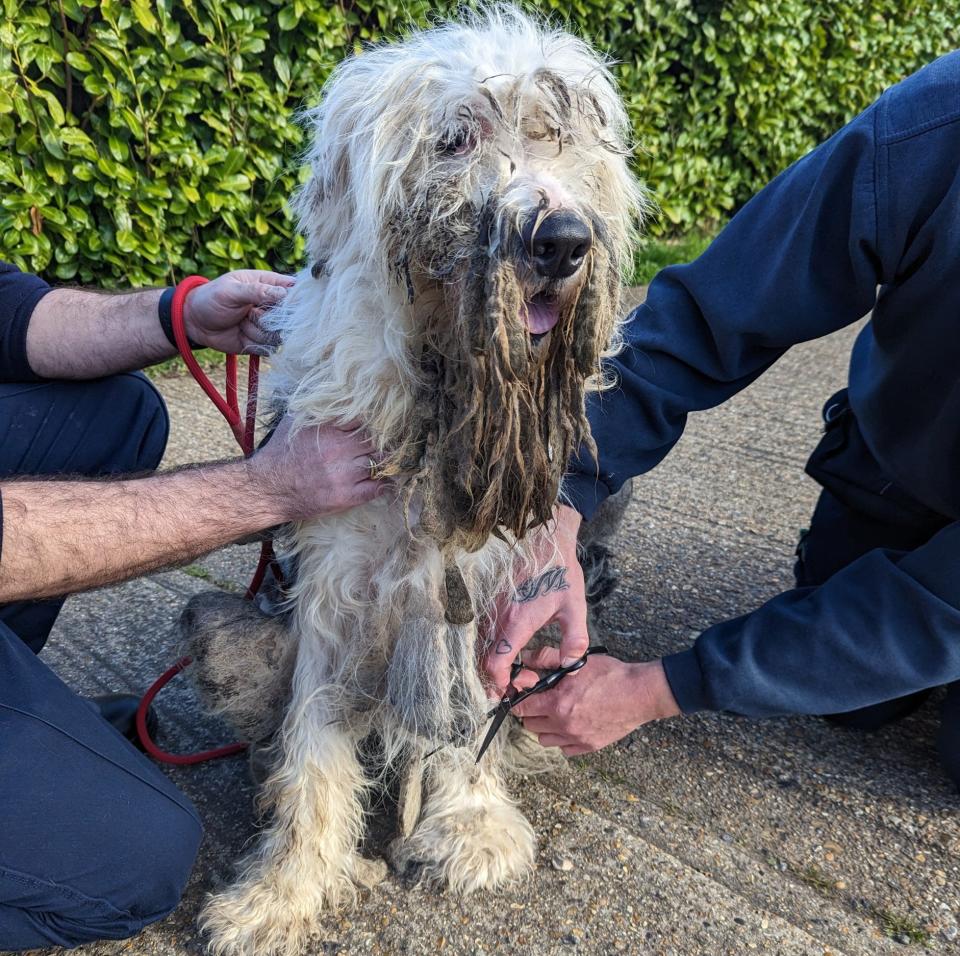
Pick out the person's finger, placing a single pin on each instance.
(250, 330)
(260, 277)
(256, 315)
(543, 658)
(275, 278)
(267, 296)
(525, 679)
(355, 430)
(366, 490)
(499, 659)
(554, 740)
(538, 724)
(537, 705)
(366, 452)
(253, 346)
(575, 639)
(576, 750)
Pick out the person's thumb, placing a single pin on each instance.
(574, 639)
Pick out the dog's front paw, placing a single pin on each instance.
(272, 917)
(470, 848)
(242, 922)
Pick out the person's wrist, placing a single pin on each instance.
(268, 503)
(651, 692)
(165, 315)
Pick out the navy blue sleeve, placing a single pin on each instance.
(19, 294)
(799, 261)
(802, 259)
(883, 627)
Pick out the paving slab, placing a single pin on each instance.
(708, 835)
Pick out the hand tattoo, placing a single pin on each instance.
(503, 646)
(553, 579)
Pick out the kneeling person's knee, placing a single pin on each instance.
(133, 875)
(154, 864)
(140, 427)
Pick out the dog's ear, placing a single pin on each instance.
(329, 182)
(323, 205)
(359, 142)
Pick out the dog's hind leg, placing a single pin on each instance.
(306, 860)
(470, 834)
(595, 547)
(243, 661)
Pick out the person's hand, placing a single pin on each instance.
(225, 314)
(315, 470)
(552, 590)
(608, 699)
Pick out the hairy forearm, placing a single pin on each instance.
(78, 334)
(65, 536)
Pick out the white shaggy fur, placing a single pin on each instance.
(375, 651)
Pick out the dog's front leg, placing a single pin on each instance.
(305, 861)
(470, 835)
(432, 684)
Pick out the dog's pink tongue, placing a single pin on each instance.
(540, 317)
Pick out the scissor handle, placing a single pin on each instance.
(554, 677)
(499, 713)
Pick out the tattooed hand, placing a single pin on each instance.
(552, 592)
(553, 579)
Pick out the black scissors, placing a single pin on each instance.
(550, 679)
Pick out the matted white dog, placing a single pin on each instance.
(468, 216)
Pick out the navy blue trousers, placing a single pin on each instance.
(858, 511)
(95, 842)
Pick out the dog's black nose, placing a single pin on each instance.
(560, 245)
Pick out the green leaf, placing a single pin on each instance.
(143, 13)
(77, 140)
(54, 107)
(233, 161)
(287, 18)
(50, 136)
(126, 240)
(118, 149)
(79, 61)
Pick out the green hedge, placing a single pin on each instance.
(143, 139)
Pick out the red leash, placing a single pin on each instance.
(242, 427)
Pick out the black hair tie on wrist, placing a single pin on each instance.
(165, 313)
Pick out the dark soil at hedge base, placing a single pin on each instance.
(699, 837)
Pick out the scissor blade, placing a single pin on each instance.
(499, 716)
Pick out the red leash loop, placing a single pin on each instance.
(180, 760)
(243, 430)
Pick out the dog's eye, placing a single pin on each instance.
(456, 143)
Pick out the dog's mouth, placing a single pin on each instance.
(541, 314)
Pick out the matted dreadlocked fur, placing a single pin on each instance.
(502, 415)
(423, 317)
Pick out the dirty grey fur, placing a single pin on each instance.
(243, 661)
(594, 547)
(419, 701)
